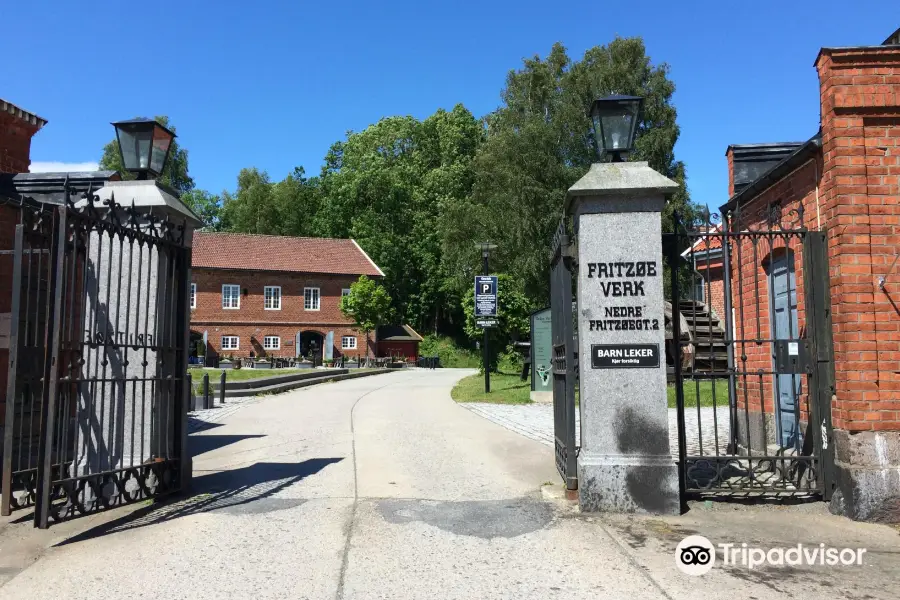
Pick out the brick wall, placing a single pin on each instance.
(715, 297)
(15, 143)
(751, 281)
(252, 320)
(860, 111)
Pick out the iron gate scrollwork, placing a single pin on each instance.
(96, 400)
(753, 380)
(563, 359)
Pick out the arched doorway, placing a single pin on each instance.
(310, 345)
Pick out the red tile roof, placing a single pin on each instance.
(280, 253)
(712, 242)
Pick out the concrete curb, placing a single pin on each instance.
(327, 378)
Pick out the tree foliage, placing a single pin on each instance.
(367, 305)
(540, 142)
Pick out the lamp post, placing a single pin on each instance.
(486, 248)
(615, 122)
(144, 145)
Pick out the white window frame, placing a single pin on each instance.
(231, 285)
(344, 345)
(266, 297)
(237, 342)
(318, 298)
(345, 292)
(267, 346)
(193, 295)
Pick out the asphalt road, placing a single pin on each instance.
(383, 487)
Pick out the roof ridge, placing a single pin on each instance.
(271, 235)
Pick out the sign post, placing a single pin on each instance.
(486, 310)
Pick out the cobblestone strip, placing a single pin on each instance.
(198, 420)
(535, 421)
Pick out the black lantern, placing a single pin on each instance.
(615, 121)
(145, 145)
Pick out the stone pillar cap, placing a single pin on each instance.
(617, 179)
(148, 193)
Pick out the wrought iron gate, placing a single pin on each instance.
(754, 380)
(96, 411)
(563, 367)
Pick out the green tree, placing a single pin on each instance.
(367, 305)
(251, 209)
(386, 187)
(513, 316)
(206, 206)
(540, 141)
(175, 173)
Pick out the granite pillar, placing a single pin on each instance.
(625, 463)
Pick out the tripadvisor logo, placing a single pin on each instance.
(696, 555)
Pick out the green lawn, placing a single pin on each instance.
(505, 389)
(706, 393)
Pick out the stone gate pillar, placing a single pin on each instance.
(625, 463)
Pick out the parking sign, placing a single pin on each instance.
(485, 296)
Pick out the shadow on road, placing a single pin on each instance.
(201, 444)
(249, 489)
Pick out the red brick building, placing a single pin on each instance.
(262, 295)
(844, 181)
(17, 127)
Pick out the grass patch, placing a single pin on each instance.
(705, 395)
(505, 389)
(451, 355)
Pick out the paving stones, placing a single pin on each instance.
(535, 421)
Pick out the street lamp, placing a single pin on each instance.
(615, 122)
(144, 145)
(486, 248)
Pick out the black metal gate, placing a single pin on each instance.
(96, 411)
(563, 368)
(754, 380)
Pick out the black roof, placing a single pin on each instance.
(779, 170)
(397, 333)
(49, 188)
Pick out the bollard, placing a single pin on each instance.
(222, 388)
(190, 386)
(207, 400)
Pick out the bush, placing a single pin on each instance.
(452, 356)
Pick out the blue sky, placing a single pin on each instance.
(272, 84)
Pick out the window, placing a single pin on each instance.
(273, 297)
(348, 342)
(345, 292)
(272, 342)
(231, 296)
(230, 342)
(193, 295)
(310, 298)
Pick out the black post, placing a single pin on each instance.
(673, 260)
(487, 371)
(222, 388)
(207, 401)
(190, 392)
